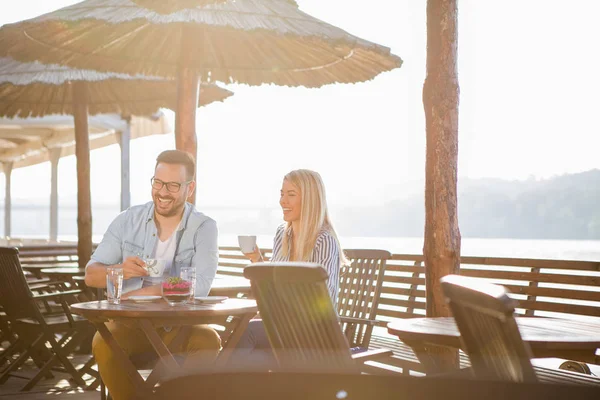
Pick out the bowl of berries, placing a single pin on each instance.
(176, 290)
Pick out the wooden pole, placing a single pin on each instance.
(188, 91)
(7, 198)
(82, 153)
(54, 158)
(440, 99)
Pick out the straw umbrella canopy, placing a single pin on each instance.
(245, 41)
(34, 89)
(168, 7)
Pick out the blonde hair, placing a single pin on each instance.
(314, 216)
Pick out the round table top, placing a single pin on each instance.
(160, 309)
(539, 332)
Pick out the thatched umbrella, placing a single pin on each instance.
(245, 41)
(170, 6)
(34, 89)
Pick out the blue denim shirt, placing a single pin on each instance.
(133, 233)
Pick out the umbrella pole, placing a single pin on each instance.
(188, 90)
(441, 249)
(82, 153)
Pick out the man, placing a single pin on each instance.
(166, 228)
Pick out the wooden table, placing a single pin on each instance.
(149, 315)
(547, 337)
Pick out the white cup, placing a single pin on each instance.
(247, 243)
(155, 267)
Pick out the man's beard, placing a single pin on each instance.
(175, 207)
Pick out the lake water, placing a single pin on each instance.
(34, 222)
(587, 250)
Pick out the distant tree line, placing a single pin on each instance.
(563, 207)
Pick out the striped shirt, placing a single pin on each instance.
(326, 253)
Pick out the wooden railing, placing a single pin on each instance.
(570, 289)
(541, 287)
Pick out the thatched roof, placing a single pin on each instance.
(26, 142)
(171, 6)
(34, 89)
(246, 41)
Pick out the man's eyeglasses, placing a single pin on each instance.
(172, 187)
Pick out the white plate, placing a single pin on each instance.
(144, 298)
(210, 299)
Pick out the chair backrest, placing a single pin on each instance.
(489, 333)
(299, 317)
(360, 288)
(15, 296)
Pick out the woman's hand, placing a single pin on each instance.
(255, 256)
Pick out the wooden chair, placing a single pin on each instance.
(37, 333)
(300, 320)
(490, 335)
(360, 289)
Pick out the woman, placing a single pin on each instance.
(307, 235)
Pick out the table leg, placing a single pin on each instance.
(234, 338)
(124, 360)
(160, 370)
(166, 358)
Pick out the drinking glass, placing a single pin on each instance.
(189, 274)
(176, 290)
(114, 284)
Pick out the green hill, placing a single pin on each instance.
(563, 207)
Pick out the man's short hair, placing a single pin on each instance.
(178, 157)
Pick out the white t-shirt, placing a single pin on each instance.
(164, 251)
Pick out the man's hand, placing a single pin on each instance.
(133, 267)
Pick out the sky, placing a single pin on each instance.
(528, 104)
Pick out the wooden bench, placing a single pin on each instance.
(541, 287)
(566, 289)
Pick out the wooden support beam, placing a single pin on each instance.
(440, 99)
(188, 91)
(124, 143)
(7, 198)
(54, 154)
(82, 153)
